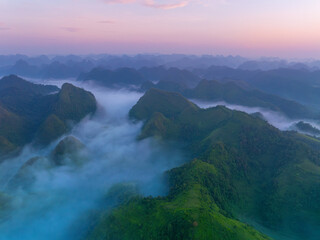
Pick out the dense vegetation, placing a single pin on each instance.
(244, 170)
(298, 85)
(241, 170)
(29, 111)
(255, 88)
(117, 78)
(307, 128)
(232, 93)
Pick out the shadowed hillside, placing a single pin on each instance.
(30, 111)
(232, 93)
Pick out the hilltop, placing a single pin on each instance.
(38, 112)
(235, 174)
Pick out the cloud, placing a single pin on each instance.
(70, 29)
(107, 22)
(120, 1)
(114, 156)
(166, 6)
(158, 4)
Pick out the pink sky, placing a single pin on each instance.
(284, 28)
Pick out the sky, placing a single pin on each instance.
(251, 28)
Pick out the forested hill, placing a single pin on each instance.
(38, 112)
(242, 169)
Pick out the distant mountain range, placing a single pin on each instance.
(71, 65)
(292, 80)
(232, 93)
(129, 77)
(294, 84)
(244, 179)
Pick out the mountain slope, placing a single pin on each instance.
(245, 169)
(188, 213)
(113, 79)
(299, 85)
(28, 111)
(233, 94)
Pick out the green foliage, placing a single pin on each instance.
(155, 100)
(68, 145)
(69, 148)
(27, 111)
(308, 128)
(122, 193)
(14, 82)
(158, 126)
(232, 93)
(245, 168)
(5, 205)
(294, 84)
(189, 212)
(51, 129)
(73, 103)
(13, 130)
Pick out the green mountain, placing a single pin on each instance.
(30, 111)
(19, 96)
(13, 82)
(113, 79)
(173, 75)
(299, 85)
(171, 86)
(307, 128)
(232, 93)
(70, 149)
(243, 170)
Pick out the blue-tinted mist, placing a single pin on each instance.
(61, 197)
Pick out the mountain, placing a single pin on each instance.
(43, 68)
(21, 67)
(205, 61)
(153, 74)
(171, 75)
(69, 150)
(179, 87)
(263, 65)
(299, 85)
(171, 104)
(274, 64)
(58, 70)
(13, 82)
(126, 77)
(232, 93)
(234, 177)
(38, 112)
(117, 78)
(307, 128)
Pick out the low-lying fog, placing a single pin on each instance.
(61, 196)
